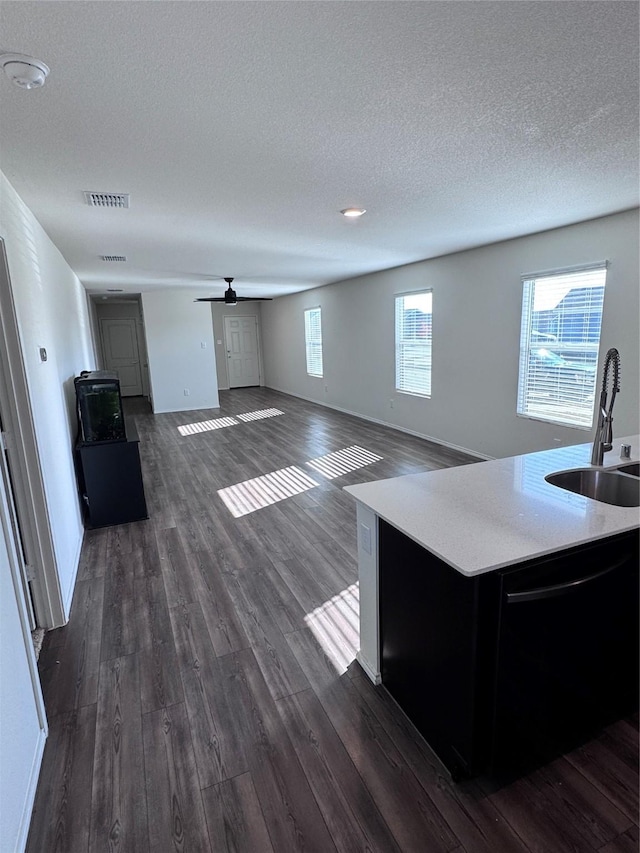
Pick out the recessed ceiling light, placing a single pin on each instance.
(353, 212)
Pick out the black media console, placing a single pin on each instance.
(110, 481)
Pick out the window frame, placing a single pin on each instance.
(400, 366)
(584, 352)
(310, 342)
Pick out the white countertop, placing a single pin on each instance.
(487, 515)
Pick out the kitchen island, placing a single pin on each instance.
(440, 555)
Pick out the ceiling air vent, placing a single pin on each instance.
(112, 258)
(106, 199)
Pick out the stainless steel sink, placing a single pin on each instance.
(632, 468)
(609, 486)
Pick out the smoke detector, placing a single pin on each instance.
(25, 71)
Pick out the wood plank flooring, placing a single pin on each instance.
(204, 695)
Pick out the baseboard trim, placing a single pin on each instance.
(369, 671)
(480, 456)
(34, 775)
(190, 409)
(68, 598)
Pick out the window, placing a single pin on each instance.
(413, 343)
(560, 336)
(313, 341)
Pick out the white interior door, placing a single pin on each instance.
(121, 355)
(241, 340)
(24, 726)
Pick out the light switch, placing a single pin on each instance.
(203, 344)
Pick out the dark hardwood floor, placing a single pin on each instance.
(204, 695)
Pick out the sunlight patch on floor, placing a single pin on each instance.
(206, 426)
(259, 414)
(247, 497)
(335, 625)
(342, 461)
(217, 423)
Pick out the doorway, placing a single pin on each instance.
(21, 476)
(120, 330)
(121, 353)
(241, 344)
(7, 480)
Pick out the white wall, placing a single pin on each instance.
(219, 311)
(51, 312)
(176, 327)
(477, 298)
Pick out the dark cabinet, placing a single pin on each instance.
(509, 667)
(110, 481)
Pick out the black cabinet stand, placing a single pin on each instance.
(110, 481)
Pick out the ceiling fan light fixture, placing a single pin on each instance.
(230, 297)
(353, 212)
(24, 71)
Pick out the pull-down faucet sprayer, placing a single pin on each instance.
(603, 439)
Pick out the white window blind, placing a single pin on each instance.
(313, 341)
(413, 343)
(559, 341)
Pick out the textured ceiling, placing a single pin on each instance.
(240, 129)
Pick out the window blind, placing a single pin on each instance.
(313, 341)
(559, 342)
(414, 343)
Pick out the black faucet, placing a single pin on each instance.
(603, 439)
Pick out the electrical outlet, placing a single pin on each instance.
(186, 392)
(391, 404)
(365, 538)
(326, 387)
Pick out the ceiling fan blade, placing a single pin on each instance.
(230, 297)
(238, 299)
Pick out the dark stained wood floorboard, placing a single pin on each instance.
(118, 799)
(176, 818)
(69, 669)
(211, 700)
(63, 808)
(349, 810)
(404, 804)
(204, 696)
(234, 817)
(465, 807)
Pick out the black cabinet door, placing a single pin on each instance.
(434, 648)
(113, 491)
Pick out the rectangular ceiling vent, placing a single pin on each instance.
(106, 199)
(112, 258)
